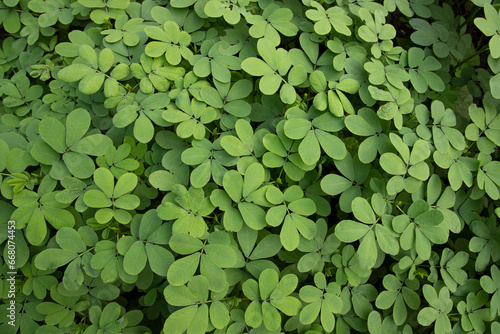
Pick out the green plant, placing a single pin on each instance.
(250, 166)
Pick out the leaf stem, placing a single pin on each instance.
(470, 18)
(477, 53)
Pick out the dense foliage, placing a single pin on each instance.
(251, 166)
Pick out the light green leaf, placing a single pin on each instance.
(254, 177)
(160, 259)
(253, 215)
(77, 124)
(54, 258)
(69, 239)
(309, 149)
(94, 145)
(80, 165)
(183, 269)
(91, 83)
(53, 133)
(392, 164)
(96, 199)
(362, 210)
(350, 231)
(289, 235)
(256, 67)
(222, 255)
(334, 184)
(297, 128)
(271, 317)
(234, 146)
(367, 251)
(105, 180)
(253, 314)
(219, 314)
(74, 72)
(125, 184)
(135, 259)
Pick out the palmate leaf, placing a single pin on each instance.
(490, 285)
(425, 228)
(440, 307)
(277, 292)
(373, 235)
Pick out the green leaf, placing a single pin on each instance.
(222, 255)
(289, 235)
(254, 177)
(219, 314)
(362, 210)
(268, 280)
(182, 243)
(74, 72)
(297, 128)
(303, 206)
(69, 239)
(94, 145)
(256, 67)
(359, 126)
(271, 317)
(105, 180)
(106, 59)
(53, 133)
(96, 199)
(77, 124)
(386, 240)
(54, 258)
(267, 247)
(234, 146)
(127, 202)
(143, 129)
(310, 312)
(494, 46)
(135, 259)
(427, 316)
(332, 145)
(178, 322)
(367, 251)
(388, 111)
(163, 180)
(318, 81)
(216, 276)
(160, 259)
(179, 295)
(183, 269)
(233, 184)
(334, 184)
(80, 165)
(288, 305)
(125, 184)
(350, 231)
(91, 83)
(348, 85)
(285, 287)
(495, 86)
(392, 164)
(253, 215)
(309, 149)
(253, 314)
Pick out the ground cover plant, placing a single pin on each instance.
(250, 166)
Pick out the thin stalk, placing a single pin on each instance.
(470, 18)
(477, 53)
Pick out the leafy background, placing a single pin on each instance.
(251, 166)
